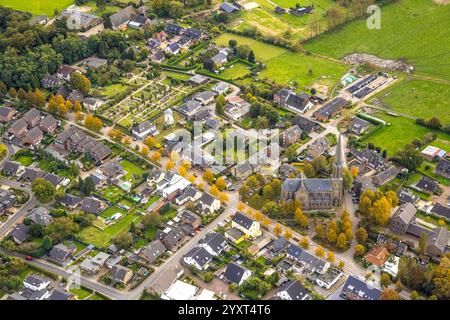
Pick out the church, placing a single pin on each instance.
(318, 194)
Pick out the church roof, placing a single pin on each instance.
(339, 157)
(312, 185)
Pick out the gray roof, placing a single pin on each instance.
(200, 255)
(31, 115)
(441, 210)
(53, 179)
(70, 200)
(59, 295)
(234, 233)
(234, 273)
(358, 124)
(143, 127)
(5, 111)
(312, 185)
(48, 122)
(243, 220)
(91, 205)
(41, 216)
(406, 212)
(20, 232)
(204, 95)
(406, 195)
(215, 241)
(427, 184)
(331, 107)
(11, 167)
(153, 250)
(190, 106)
(60, 253)
(32, 174)
(35, 280)
(361, 289)
(119, 272)
(295, 290)
(280, 244)
(207, 199)
(439, 238)
(123, 16)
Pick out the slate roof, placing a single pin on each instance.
(60, 253)
(305, 123)
(443, 168)
(32, 174)
(59, 295)
(406, 195)
(193, 33)
(153, 250)
(53, 179)
(295, 290)
(172, 28)
(190, 106)
(207, 199)
(122, 17)
(91, 205)
(441, 210)
(20, 232)
(228, 7)
(361, 289)
(11, 167)
(70, 200)
(199, 255)
(406, 212)
(439, 238)
(280, 244)
(331, 107)
(312, 185)
(118, 273)
(243, 220)
(48, 122)
(40, 216)
(358, 125)
(214, 240)
(234, 273)
(427, 184)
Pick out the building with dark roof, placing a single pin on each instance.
(121, 19)
(41, 216)
(234, 273)
(306, 124)
(427, 185)
(20, 233)
(330, 109)
(402, 218)
(358, 126)
(318, 194)
(214, 243)
(443, 168)
(405, 195)
(153, 251)
(293, 290)
(228, 7)
(247, 225)
(198, 257)
(297, 102)
(437, 242)
(144, 129)
(356, 289)
(441, 211)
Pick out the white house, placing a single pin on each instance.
(236, 274)
(36, 283)
(198, 257)
(209, 204)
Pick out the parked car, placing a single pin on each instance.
(29, 258)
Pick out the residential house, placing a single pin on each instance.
(317, 148)
(92, 104)
(297, 102)
(191, 193)
(358, 126)
(82, 21)
(228, 7)
(293, 290)
(153, 44)
(443, 168)
(32, 117)
(291, 135)
(287, 170)
(385, 176)
(64, 72)
(221, 87)
(193, 34)
(112, 170)
(153, 251)
(91, 205)
(33, 138)
(437, 242)
(198, 258)
(173, 48)
(70, 201)
(144, 129)
(208, 204)
(172, 185)
(98, 179)
(427, 185)
(248, 226)
(11, 168)
(214, 243)
(51, 82)
(138, 21)
(121, 275)
(54, 179)
(356, 289)
(20, 233)
(220, 58)
(174, 29)
(313, 263)
(95, 264)
(198, 80)
(61, 254)
(190, 108)
(205, 97)
(236, 108)
(120, 20)
(402, 218)
(331, 109)
(159, 56)
(76, 95)
(440, 211)
(306, 124)
(48, 124)
(188, 217)
(32, 174)
(236, 274)
(7, 114)
(405, 195)
(95, 63)
(377, 255)
(279, 245)
(18, 129)
(235, 235)
(35, 282)
(40, 216)
(370, 158)
(171, 237)
(7, 200)
(58, 295)
(155, 176)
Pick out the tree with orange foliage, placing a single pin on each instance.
(156, 156)
(145, 151)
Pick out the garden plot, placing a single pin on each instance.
(146, 103)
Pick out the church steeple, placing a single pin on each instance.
(339, 159)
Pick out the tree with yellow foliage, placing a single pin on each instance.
(186, 164)
(214, 191)
(170, 165)
(341, 241)
(115, 134)
(341, 265)
(320, 252)
(223, 197)
(192, 178)
(330, 256)
(156, 156)
(221, 184)
(127, 140)
(182, 171)
(149, 142)
(77, 106)
(93, 123)
(277, 229)
(354, 171)
(240, 206)
(331, 235)
(145, 151)
(389, 294)
(200, 186)
(265, 222)
(208, 176)
(258, 215)
(360, 250)
(288, 234)
(304, 243)
(79, 116)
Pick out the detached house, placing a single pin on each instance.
(11, 168)
(236, 274)
(198, 257)
(153, 251)
(297, 102)
(402, 218)
(356, 289)
(214, 243)
(358, 126)
(208, 204)
(7, 114)
(65, 72)
(48, 124)
(443, 168)
(18, 129)
(120, 274)
(248, 226)
(32, 118)
(120, 20)
(144, 129)
(293, 290)
(61, 254)
(291, 135)
(33, 137)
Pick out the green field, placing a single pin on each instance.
(108, 213)
(238, 70)
(112, 193)
(422, 99)
(37, 6)
(131, 170)
(269, 23)
(100, 238)
(401, 132)
(284, 66)
(414, 30)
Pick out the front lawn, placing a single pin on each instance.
(108, 213)
(134, 172)
(80, 293)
